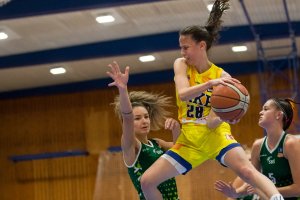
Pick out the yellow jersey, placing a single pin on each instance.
(195, 110)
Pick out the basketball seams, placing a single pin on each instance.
(241, 95)
(241, 105)
(230, 101)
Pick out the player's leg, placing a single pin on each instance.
(159, 172)
(236, 159)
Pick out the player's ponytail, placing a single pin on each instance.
(210, 32)
(287, 107)
(213, 24)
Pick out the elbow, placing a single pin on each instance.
(298, 190)
(182, 96)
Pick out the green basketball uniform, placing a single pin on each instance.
(275, 166)
(147, 155)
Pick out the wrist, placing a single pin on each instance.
(123, 89)
(209, 84)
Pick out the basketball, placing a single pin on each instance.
(230, 102)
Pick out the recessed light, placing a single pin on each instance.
(239, 48)
(3, 2)
(105, 19)
(57, 70)
(147, 58)
(3, 36)
(210, 6)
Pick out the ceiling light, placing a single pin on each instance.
(105, 19)
(3, 2)
(210, 6)
(239, 48)
(57, 70)
(3, 36)
(147, 58)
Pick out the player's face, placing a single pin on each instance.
(268, 114)
(141, 120)
(189, 49)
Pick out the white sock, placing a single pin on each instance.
(277, 197)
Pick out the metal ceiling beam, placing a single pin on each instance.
(269, 68)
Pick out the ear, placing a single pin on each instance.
(279, 115)
(202, 44)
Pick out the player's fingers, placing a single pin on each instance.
(112, 68)
(167, 123)
(116, 66)
(112, 84)
(235, 80)
(110, 74)
(127, 70)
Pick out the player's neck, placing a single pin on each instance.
(274, 136)
(203, 66)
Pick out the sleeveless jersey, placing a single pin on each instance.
(275, 166)
(147, 155)
(195, 110)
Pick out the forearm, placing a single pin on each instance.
(188, 93)
(290, 190)
(125, 105)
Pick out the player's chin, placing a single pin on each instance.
(189, 61)
(260, 123)
(145, 130)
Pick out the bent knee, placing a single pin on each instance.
(247, 173)
(147, 181)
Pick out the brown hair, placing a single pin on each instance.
(210, 32)
(286, 106)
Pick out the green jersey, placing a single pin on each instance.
(275, 166)
(249, 197)
(147, 155)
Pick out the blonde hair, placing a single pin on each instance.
(155, 104)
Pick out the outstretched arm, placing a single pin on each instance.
(120, 81)
(234, 190)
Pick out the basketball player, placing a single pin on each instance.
(204, 135)
(277, 154)
(141, 112)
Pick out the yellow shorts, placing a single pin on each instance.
(198, 143)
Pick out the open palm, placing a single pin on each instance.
(120, 79)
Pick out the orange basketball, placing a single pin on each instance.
(230, 102)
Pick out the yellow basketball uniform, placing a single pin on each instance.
(197, 143)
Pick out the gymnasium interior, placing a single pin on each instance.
(59, 135)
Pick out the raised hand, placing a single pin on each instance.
(120, 79)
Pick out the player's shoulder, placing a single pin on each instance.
(180, 60)
(292, 140)
(258, 142)
(180, 65)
